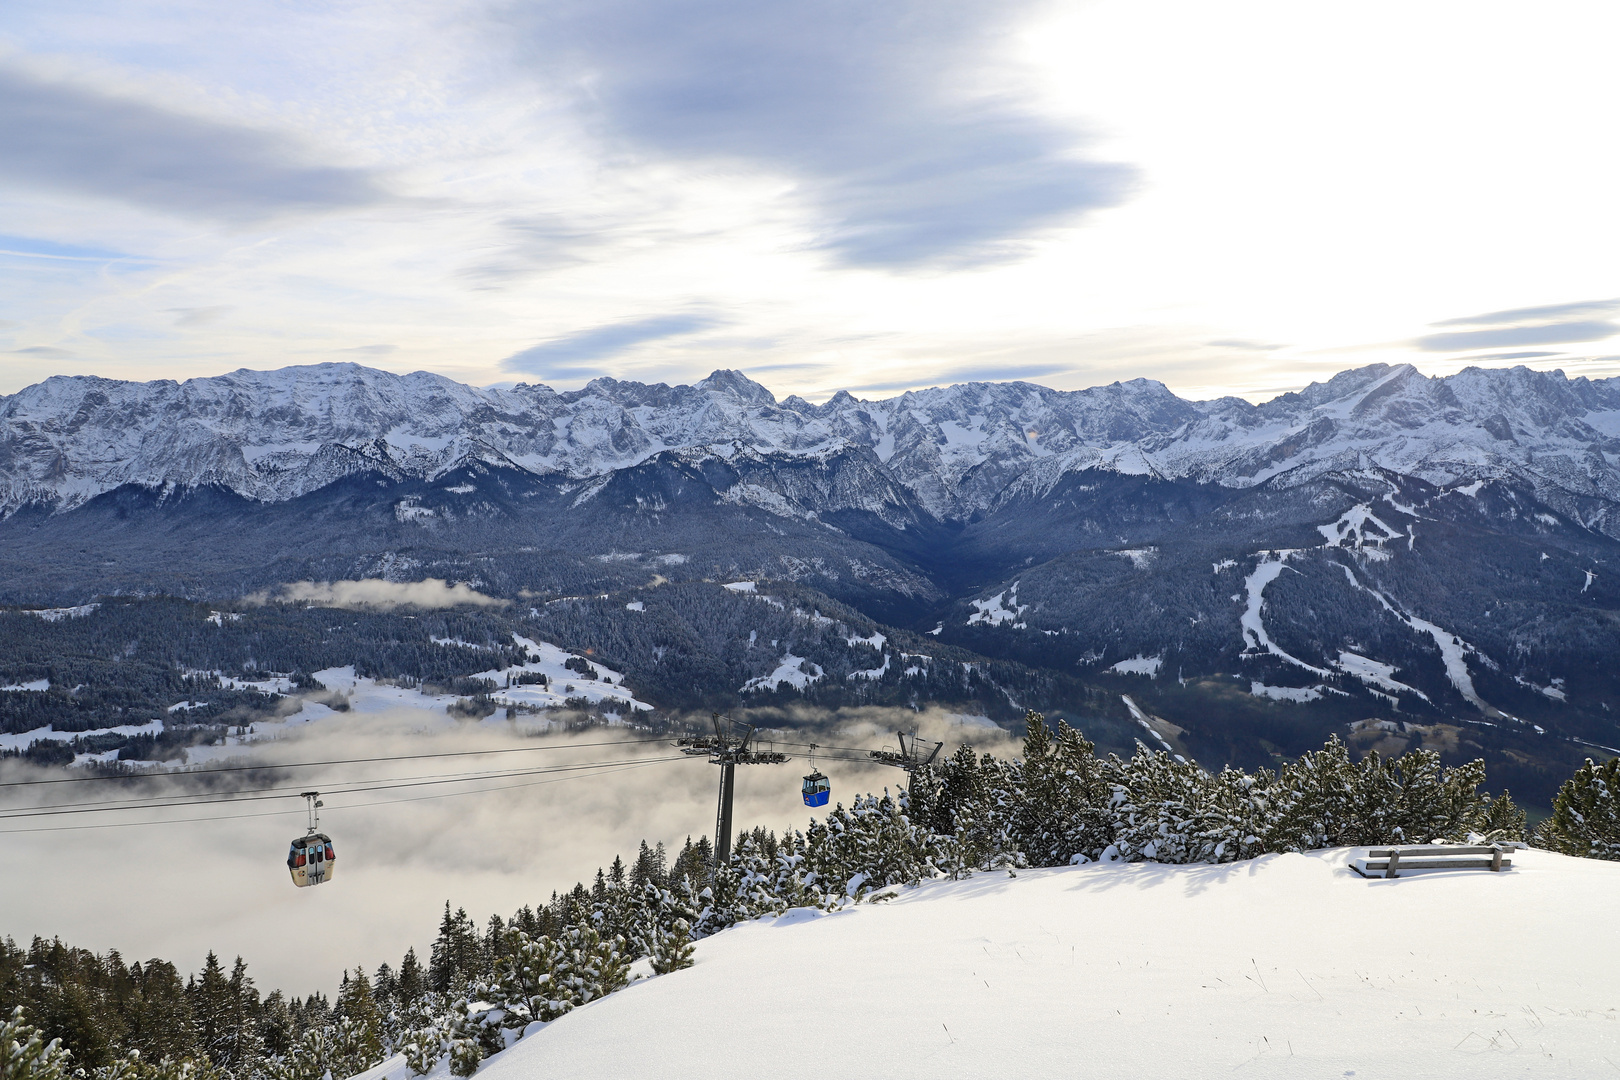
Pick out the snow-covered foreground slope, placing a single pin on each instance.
(1288, 965)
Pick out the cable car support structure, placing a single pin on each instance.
(728, 747)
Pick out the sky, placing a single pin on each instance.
(1231, 198)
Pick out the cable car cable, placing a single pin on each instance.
(215, 798)
(181, 798)
(618, 767)
(311, 764)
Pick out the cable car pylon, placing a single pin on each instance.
(727, 748)
(910, 757)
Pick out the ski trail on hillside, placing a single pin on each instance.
(1453, 649)
(1254, 628)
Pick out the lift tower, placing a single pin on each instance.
(911, 756)
(727, 748)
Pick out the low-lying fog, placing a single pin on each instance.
(178, 889)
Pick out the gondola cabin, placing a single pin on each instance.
(311, 860)
(817, 789)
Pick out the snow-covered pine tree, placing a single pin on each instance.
(792, 881)
(524, 985)
(1313, 800)
(695, 861)
(1435, 803)
(133, 1066)
(457, 958)
(1062, 816)
(1237, 814)
(474, 1033)
(423, 1046)
(412, 984)
(1586, 814)
(1374, 807)
(973, 808)
(210, 994)
(1499, 819)
(720, 901)
(589, 967)
(358, 1033)
(658, 916)
(756, 877)
(311, 1058)
(1162, 809)
(672, 947)
(24, 1053)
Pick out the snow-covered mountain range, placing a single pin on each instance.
(272, 436)
(1380, 548)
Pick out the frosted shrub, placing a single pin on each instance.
(25, 1055)
(1586, 814)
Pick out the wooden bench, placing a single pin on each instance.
(1388, 862)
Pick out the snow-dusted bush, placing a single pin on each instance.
(1586, 814)
(25, 1055)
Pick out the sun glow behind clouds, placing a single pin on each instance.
(1233, 198)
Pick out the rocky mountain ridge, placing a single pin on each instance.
(957, 450)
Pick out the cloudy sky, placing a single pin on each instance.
(1236, 197)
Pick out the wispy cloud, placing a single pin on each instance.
(44, 352)
(865, 105)
(1531, 354)
(200, 316)
(562, 357)
(1545, 313)
(60, 136)
(1558, 333)
(1246, 346)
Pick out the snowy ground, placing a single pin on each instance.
(411, 708)
(1286, 966)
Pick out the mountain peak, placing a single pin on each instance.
(738, 385)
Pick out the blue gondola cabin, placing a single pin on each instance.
(817, 790)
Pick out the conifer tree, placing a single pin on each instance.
(457, 957)
(1162, 809)
(24, 1053)
(1061, 816)
(672, 948)
(1500, 819)
(359, 1032)
(159, 1013)
(210, 994)
(412, 982)
(1586, 814)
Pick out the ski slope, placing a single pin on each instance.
(1283, 966)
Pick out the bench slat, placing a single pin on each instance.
(1432, 864)
(1380, 867)
(1435, 849)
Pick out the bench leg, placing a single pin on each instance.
(1394, 864)
(1496, 858)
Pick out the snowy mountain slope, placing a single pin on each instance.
(1283, 966)
(279, 434)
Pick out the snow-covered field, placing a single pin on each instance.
(1287, 966)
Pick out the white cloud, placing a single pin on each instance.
(380, 594)
(1316, 185)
